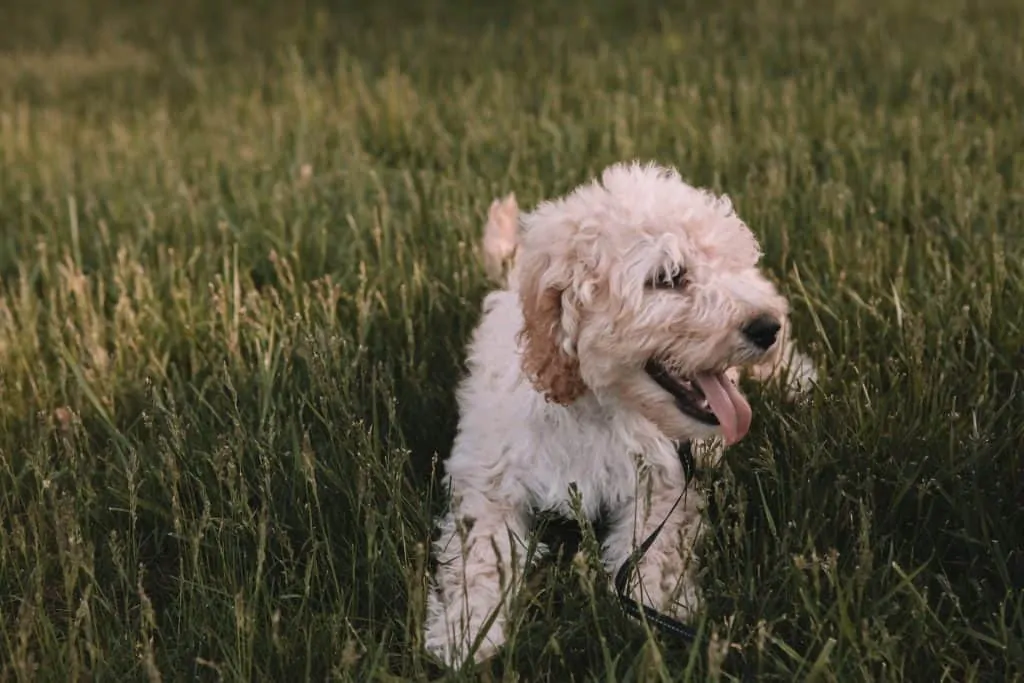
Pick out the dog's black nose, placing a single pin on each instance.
(762, 331)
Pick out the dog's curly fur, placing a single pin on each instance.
(636, 267)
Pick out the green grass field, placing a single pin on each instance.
(237, 272)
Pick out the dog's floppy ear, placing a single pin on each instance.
(547, 337)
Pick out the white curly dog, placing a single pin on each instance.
(627, 310)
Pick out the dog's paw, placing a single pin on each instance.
(450, 633)
(800, 375)
(792, 369)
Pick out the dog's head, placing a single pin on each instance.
(646, 291)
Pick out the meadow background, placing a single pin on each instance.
(237, 272)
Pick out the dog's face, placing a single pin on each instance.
(646, 291)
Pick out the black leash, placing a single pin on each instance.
(634, 608)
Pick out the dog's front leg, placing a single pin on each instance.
(665, 577)
(481, 555)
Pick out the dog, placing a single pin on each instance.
(625, 313)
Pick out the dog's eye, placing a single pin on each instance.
(668, 278)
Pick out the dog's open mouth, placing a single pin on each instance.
(708, 397)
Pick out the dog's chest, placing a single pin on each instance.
(597, 458)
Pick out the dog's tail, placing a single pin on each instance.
(501, 238)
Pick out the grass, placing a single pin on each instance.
(237, 273)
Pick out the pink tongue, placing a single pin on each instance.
(728, 404)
